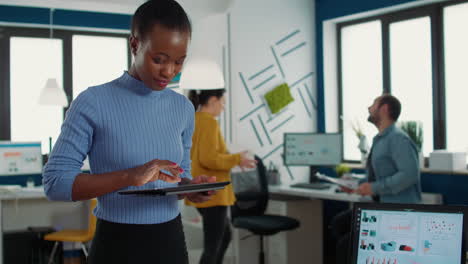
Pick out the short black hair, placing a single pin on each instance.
(167, 13)
(394, 105)
(201, 97)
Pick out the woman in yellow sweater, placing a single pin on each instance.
(210, 157)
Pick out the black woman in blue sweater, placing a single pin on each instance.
(133, 129)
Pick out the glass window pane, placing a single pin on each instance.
(32, 62)
(361, 63)
(456, 77)
(97, 60)
(411, 73)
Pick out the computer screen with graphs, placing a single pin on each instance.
(20, 158)
(312, 149)
(397, 234)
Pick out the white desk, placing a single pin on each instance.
(316, 231)
(327, 194)
(331, 194)
(309, 245)
(20, 208)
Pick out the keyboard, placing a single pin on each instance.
(313, 185)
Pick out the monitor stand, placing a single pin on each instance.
(314, 182)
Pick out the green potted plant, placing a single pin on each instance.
(415, 131)
(342, 169)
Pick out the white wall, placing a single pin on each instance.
(256, 28)
(248, 33)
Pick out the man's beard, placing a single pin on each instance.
(373, 119)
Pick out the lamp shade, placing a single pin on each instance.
(52, 94)
(201, 74)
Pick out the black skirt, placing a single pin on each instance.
(134, 243)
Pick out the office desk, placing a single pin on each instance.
(24, 207)
(327, 194)
(316, 231)
(331, 194)
(309, 242)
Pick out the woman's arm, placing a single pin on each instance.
(88, 186)
(208, 147)
(187, 134)
(62, 176)
(71, 148)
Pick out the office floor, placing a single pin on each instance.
(194, 257)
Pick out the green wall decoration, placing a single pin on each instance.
(279, 98)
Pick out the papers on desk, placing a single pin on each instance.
(9, 188)
(348, 183)
(357, 176)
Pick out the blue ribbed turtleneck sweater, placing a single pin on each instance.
(120, 125)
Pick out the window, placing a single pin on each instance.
(361, 64)
(456, 77)
(97, 60)
(29, 57)
(32, 61)
(411, 73)
(420, 57)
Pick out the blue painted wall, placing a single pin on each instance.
(62, 17)
(328, 9)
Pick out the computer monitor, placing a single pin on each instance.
(20, 158)
(312, 149)
(408, 233)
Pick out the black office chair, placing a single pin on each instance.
(251, 189)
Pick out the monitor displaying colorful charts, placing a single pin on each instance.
(312, 149)
(408, 234)
(20, 158)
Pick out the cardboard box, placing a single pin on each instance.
(444, 160)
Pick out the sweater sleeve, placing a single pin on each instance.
(71, 148)
(209, 146)
(187, 143)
